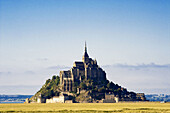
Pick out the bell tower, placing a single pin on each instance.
(85, 58)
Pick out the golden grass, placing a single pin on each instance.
(128, 107)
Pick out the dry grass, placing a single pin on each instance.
(128, 107)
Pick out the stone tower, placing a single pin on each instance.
(85, 58)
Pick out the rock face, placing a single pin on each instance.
(85, 82)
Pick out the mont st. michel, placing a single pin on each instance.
(85, 82)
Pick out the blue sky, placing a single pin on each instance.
(38, 34)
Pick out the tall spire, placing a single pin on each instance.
(85, 56)
(85, 47)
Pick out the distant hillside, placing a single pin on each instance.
(13, 98)
(156, 97)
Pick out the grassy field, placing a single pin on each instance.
(130, 107)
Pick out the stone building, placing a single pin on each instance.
(111, 98)
(27, 100)
(85, 69)
(62, 98)
(40, 99)
(140, 96)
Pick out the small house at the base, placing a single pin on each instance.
(40, 99)
(110, 98)
(63, 98)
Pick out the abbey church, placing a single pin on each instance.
(85, 69)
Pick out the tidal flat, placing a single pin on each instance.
(127, 107)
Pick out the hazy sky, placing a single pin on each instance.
(129, 38)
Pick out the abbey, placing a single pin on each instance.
(85, 69)
(85, 82)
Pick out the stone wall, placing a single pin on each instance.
(57, 99)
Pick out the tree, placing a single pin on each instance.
(83, 85)
(75, 85)
(112, 85)
(108, 85)
(54, 77)
(48, 93)
(57, 80)
(89, 87)
(47, 81)
(102, 90)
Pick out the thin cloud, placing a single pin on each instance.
(138, 66)
(5, 73)
(58, 67)
(29, 72)
(42, 59)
